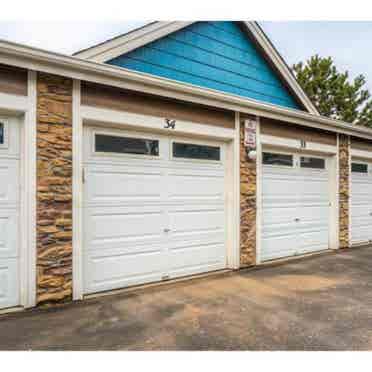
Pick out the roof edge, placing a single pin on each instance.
(129, 41)
(19, 55)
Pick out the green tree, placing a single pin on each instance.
(333, 93)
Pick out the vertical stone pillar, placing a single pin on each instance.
(344, 192)
(248, 200)
(54, 188)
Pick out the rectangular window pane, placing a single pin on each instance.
(315, 163)
(359, 168)
(192, 151)
(270, 158)
(126, 145)
(2, 134)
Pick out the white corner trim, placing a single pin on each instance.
(130, 41)
(232, 248)
(334, 200)
(258, 194)
(278, 61)
(28, 271)
(77, 194)
(95, 115)
(349, 193)
(235, 257)
(337, 195)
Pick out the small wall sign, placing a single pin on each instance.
(250, 133)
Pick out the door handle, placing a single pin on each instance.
(297, 220)
(167, 230)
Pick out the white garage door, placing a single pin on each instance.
(154, 208)
(9, 214)
(361, 202)
(295, 205)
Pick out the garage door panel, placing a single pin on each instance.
(118, 184)
(279, 208)
(279, 231)
(313, 191)
(278, 245)
(9, 233)
(361, 218)
(361, 221)
(196, 220)
(197, 240)
(361, 232)
(9, 181)
(121, 270)
(9, 279)
(361, 184)
(313, 236)
(198, 258)
(280, 214)
(124, 228)
(315, 213)
(279, 186)
(189, 186)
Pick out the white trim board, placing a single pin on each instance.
(132, 40)
(294, 144)
(109, 117)
(258, 193)
(364, 154)
(40, 60)
(30, 165)
(77, 194)
(14, 104)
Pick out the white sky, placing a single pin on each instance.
(347, 42)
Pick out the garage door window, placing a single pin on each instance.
(359, 168)
(270, 158)
(314, 163)
(193, 151)
(2, 134)
(126, 145)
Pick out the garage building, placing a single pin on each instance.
(180, 148)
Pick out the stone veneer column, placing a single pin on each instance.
(344, 192)
(248, 200)
(54, 188)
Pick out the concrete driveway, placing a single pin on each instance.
(322, 303)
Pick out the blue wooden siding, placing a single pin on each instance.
(216, 55)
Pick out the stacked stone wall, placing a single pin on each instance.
(54, 188)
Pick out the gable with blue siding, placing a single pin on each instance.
(215, 55)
